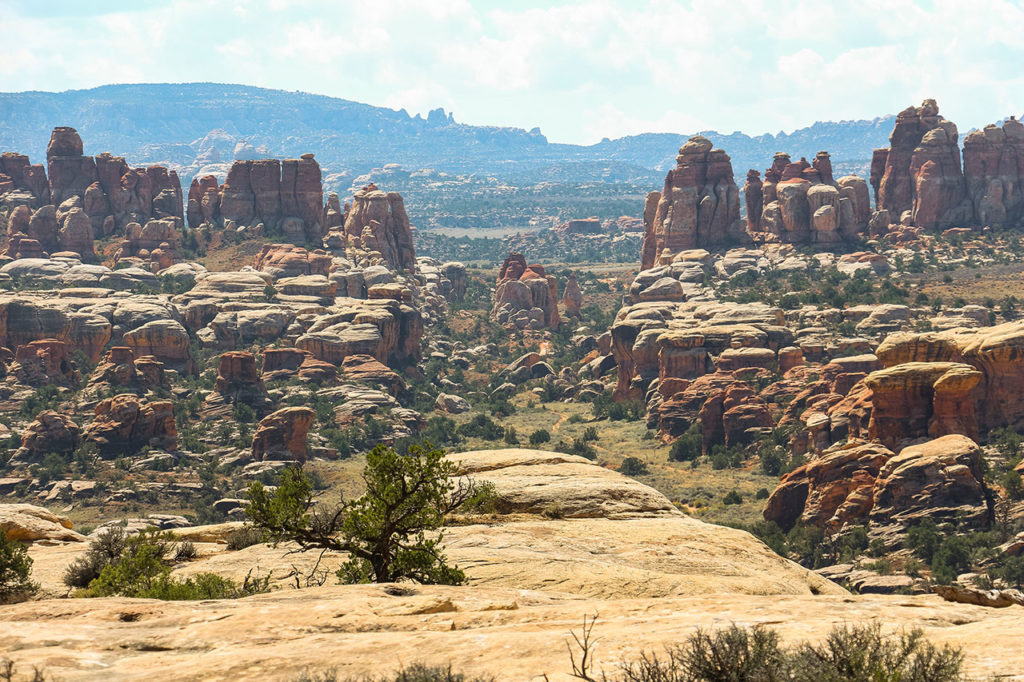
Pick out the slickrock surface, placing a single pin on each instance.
(512, 634)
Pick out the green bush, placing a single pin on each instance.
(850, 653)
(414, 673)
(246, 536)
(632, 466)
(15, 568)
(688, 447)
(104, 549)
(384, 531)
(539, 436)
(481, 426)
(732, 497)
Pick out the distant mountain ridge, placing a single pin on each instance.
(192, 125)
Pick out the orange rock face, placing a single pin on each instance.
(282, 435)
(572, 299)
(119, 367)
(125, 423)
(920, 171)
(377, 221)
(525, 295)
(46, 361)
(285, 260)
(49, 432)
(238, 381)
(830, 491)
(994, 170)
(918, 399)
(699, 205)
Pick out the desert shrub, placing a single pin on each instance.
(185, 551)
(923, 539)
(951, 558)
(861, 653)
(246, 536)
(141, 570)
(688, 447)
(725, 458)
(481, 426)
(633, 466)
(415, 673)
(1011, 571)
(384, 531)
(138, 568)
(732, 497)
(441, 430)
(15, 568)
(589, 433)
(511, 437)
(484, 500)
(850, 653)
(539, 436)
(762, 494)
(104, 549)
(576, 419)
(577, 447)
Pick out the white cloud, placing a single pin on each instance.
(580, 69)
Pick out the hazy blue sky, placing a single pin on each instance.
(579, 70)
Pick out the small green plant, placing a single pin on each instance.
(732, 497)
(384, 531)
(246, 536)
(633, 466)
(539, 437)
(15, 569)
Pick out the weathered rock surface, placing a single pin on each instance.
(282, 435)
(698, 207)
(525, 296)
(376, 223)
(29, 523)
(125, 423)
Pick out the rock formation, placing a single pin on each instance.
(153, 245)
(572, 298)
(285, 196)
(49, 432)
(920, 171)
(699, 205)
(44, 362)
(801, 202)
(859, 482)
(121, 369)
(282, 435)
(376, 229)
(994, 171)
(525, 296)
(830, 491)
(283, 260)
(238, 382)
(125, 423)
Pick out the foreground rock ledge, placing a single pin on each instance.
(514, 634)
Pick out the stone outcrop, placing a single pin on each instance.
(125, 423)
(287, 363)
(525, 296)
(831, 491)
(376, 229)
(120, 368)
(29, 523)
(801, 202)
(698, 207)
(153, 245)
(860, 482)
(49, 432)
(918, 399)
(572, 298)
(284, 260)
(997, 352)
(939, 480)
(285, 196)
(238, 381)
(44, 362)
(18, 173)
(112, 193)
(994, 171)
(282, 435)
(166, 339)
(920, 171)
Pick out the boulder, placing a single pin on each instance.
(125, 423)
(282, 435)
(29, 523)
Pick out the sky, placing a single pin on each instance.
(580, 70)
